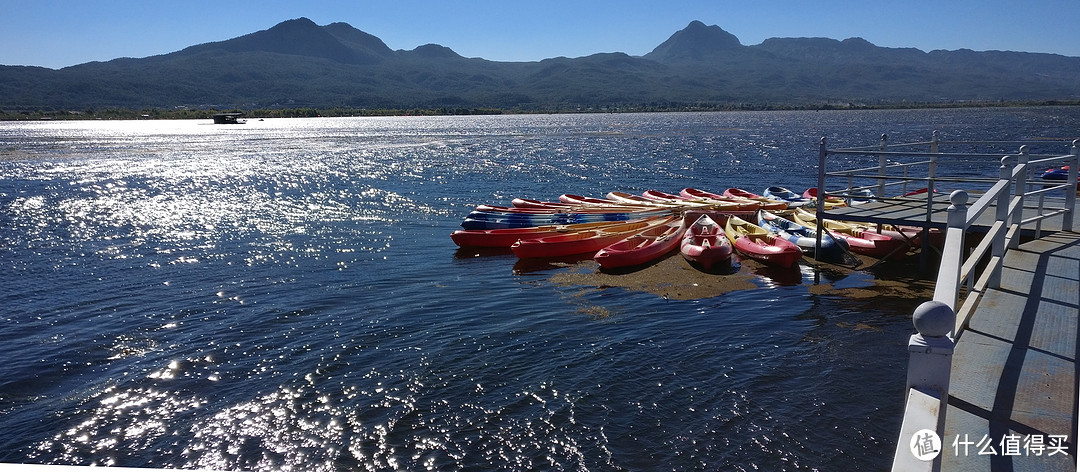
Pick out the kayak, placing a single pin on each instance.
(745, 204)
(781, 193)
(803, 236)
(552, 210)
(791, 198)
(1061, 173)
(921, 191)
(861, 196)
(531, 203)
(643, 247)
(581, 242)
(591, 201)
(756, 243)
(482, 219)
(724, 204)
(705, 244)
(627, 198)
(736, 204)
(506, 237)
(740, 193)
(858, 240)
(830, 202)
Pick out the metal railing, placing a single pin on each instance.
(1009, 195)
(940, 322)
(914, 171)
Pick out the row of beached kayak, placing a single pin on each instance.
(625, 230)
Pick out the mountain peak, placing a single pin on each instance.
(694, 43)
(302, 37)
(435, 51)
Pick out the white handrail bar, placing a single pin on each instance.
(989, 198)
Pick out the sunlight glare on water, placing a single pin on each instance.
(283, 295)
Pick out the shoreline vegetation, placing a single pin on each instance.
(116, 113)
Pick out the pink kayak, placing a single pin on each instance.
(705, 244)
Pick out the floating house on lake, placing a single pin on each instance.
(232, 118)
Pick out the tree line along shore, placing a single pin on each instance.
(115, 113)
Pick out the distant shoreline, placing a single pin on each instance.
(117, 113)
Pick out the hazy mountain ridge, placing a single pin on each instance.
(298, 63)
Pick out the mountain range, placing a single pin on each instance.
(298, 63)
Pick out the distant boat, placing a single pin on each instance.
(229, 118)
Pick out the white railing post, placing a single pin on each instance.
(1070, 193)
(952, 255)
(882, 162)
(1020, 189)
(929, 370)
(932, 171)
(998, 245)
(931, 348)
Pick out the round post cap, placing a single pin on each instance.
(933, 319)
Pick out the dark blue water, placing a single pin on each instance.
(284, 295)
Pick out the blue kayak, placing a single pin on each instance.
(832, 249)
(793, 199)
(484, 219)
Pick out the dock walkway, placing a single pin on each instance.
(1014, 369)
(992, 372)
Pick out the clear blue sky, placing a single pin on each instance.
(59, 33)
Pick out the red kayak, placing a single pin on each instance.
(580, 200)
(756, 243)
(746, 204)
(740, 193)
(631, 199)
(705, 244)
(582, 242)
(812, 193)
(723, 204)
(508, 236)
(569, 209)
(641, 248)
(530, 203)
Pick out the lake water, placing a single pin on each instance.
(283, 295)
